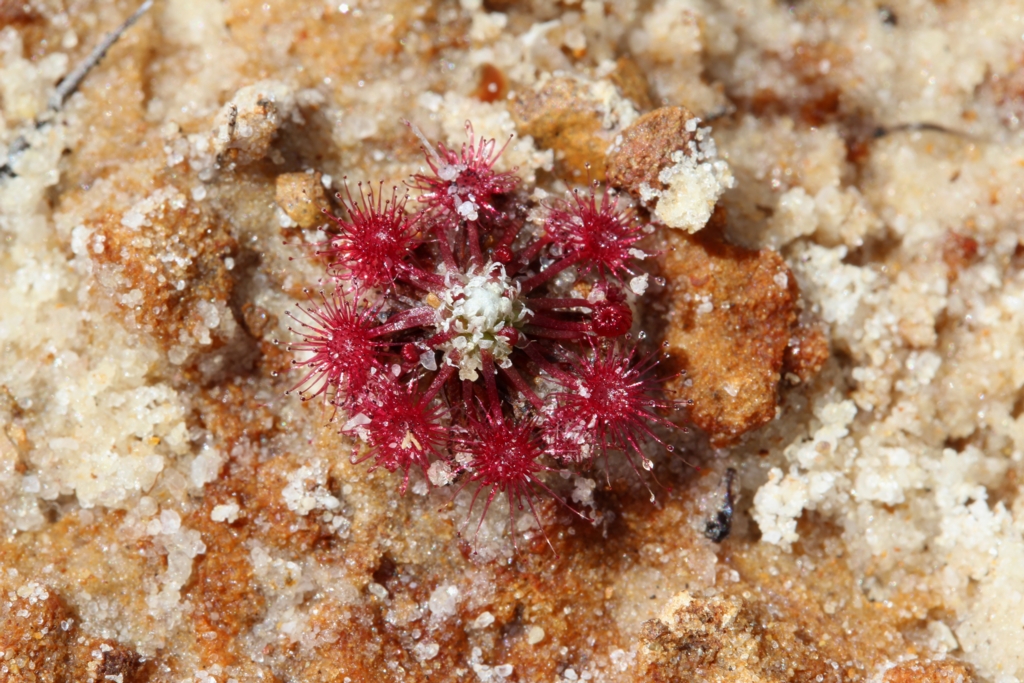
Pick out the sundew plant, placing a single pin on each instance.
(463, 340)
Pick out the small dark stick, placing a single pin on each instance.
(718, 527)
(69, 84)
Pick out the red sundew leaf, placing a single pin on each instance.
(400, 427)
(609, 403)
(595, 234)
(337, 343)
(372, 245)
(505, 459)
(464, 184)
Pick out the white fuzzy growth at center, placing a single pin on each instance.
(478, 309)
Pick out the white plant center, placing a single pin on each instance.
(478, 306)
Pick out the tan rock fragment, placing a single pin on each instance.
(733, 314)
(576, 118)
(561, 116)
(629, 78)
(671, 163)
(246, 126)
(302, 197)
(647, 146)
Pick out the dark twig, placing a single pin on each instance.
(69, 84)
(719, 526)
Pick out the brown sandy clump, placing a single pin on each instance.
(166, 262)
(768, 627)
(42, 642)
